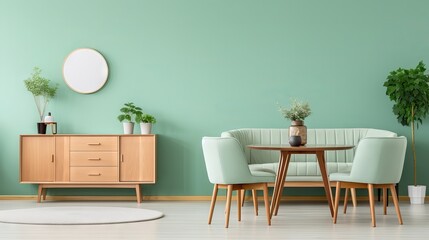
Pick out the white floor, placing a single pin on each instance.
(188, 220)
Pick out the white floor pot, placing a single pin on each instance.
(128, 127)
(417, 194)
(146, 128)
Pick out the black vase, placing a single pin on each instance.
(41, 128)
(295, 141)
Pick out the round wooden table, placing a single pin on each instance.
(285, 152)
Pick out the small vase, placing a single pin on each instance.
(145, 128)
(41, 128)
(297, 128)
(295, 141)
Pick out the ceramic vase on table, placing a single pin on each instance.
(297, 128)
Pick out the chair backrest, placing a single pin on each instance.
(225, 161)
(379, 160)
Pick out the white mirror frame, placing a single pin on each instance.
(85, 70)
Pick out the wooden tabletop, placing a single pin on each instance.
(305, 148)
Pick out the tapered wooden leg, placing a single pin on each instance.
(371, 202)
(39, 193)
(395, 201)
(44, 191)
(138, 194)
(337, 201)
(255, 201)
(277, 184)
(354, 199)
(346, 195)
(321, 160)
(239, 205)
(228, 205)
(385, 201)
(213, 202)
(267, 204)
(282, 182)
(243, 195)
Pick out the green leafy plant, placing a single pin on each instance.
(129, 112)
(298, 111)
(41, 89)
(409, 89)
(146, 118)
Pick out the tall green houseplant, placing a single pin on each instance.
(41, 89)
(409, 89)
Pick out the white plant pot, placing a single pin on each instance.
(128, 127)
(417, 194)
(146, 128)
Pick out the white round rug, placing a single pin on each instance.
(78, 215)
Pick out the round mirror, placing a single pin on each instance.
(85, 70)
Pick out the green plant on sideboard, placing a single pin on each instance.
(145, 118)
(129, 112)
(41, 89)
(409, 89)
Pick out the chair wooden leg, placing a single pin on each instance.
(337, 201)
(255, 201)
(239, 205)
(385, 201)
(228, 205)
(213, 202)
(371, 202)
(267, 204)
(354, 199)
(346, 195)
(395, 201)
(243, 195)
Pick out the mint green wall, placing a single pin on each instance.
(202, 67)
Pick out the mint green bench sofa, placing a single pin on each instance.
(303, 170)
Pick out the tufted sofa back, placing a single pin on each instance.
(303, 164)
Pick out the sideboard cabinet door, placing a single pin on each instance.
(37, 159)
(137, 160)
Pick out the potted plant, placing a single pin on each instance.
(297, 113)
(146, 121)
(409, 89)
(42, 92)
(129, 113)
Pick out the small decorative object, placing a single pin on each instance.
(297, 113)
(409, 89)
(295, 141)
(49, 118)
(146, 121)
(129, 112)
(42, 92)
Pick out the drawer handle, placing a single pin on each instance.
(94, 174)
(94, 159)
(94, 144)
(52, 158)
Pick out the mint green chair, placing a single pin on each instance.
(227, 168)
(378, 163)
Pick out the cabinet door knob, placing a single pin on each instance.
(94, 174)
(94, 159)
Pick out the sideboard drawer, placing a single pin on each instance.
(94, 159)
(93, 143)
(93, 174)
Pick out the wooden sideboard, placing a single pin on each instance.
(87, 161)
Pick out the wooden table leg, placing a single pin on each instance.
(321, 159)
(278, 188)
